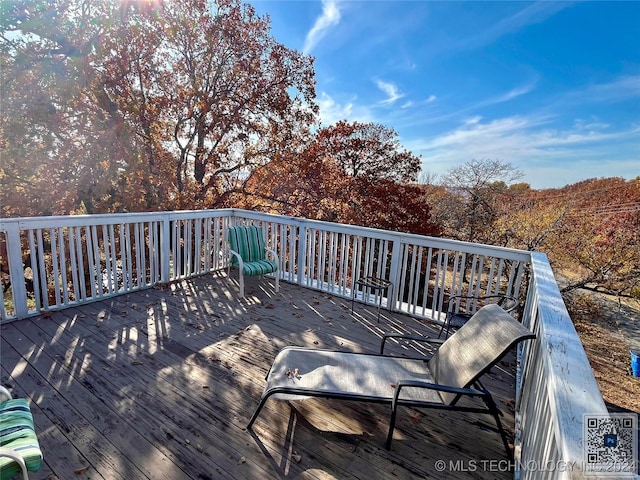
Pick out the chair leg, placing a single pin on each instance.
(442, 328)
(392, 426)
(241, 281)
(493, 408)
(503, 434)
(277, 274)
(254, 417)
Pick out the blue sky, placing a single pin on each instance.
(551, 87)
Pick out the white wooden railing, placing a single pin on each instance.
(55, 262)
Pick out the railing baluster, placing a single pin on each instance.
(427, 281)
(107, 262)
(114, 258)
(146, 253)
(35, 271)
(456, 281)
(344, 252)
(63, 266)
(137, 278)
(55, 264)
(412, 279)
(74, 262)
(491, 277)
(89, 232)
(80, 256)
(128, 268)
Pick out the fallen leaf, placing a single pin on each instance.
(295, 457)
(80, 471)
(242, 460)
(415, 418)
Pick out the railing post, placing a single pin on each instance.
(165, 249)
(16, 270)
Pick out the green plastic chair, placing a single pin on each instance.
(19, 448)
(249, 254)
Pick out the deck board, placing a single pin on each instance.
(160, 384)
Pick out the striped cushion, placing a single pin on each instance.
(260, 267)
(248, 242)
(18, 434)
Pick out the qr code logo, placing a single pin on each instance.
(611, 444)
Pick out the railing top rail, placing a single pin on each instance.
(567, 369)
(107, 218)
(116, 218)
(422, 240)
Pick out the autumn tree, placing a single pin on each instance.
(60, 150)
(141, 105)
(377, 176)
(598, 245)
(374, 188)
(388, 205)
(367, 150)
(589, 231)
(210, 94)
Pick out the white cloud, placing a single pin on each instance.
(530, 144)
(504, 97)
(330, 17)
(332, 111)
(529, 15)
(391, 90)
(620, 89)
(447, 115)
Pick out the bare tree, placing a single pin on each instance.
(473, 190)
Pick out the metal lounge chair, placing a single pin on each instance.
(249, 254)
(452, 373)
(462, 307)
(19, 448)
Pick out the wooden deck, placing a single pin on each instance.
(161, 383)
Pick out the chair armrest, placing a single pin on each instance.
(440, 388)
(238, 257)
(417, 338)
(4, 393)
(275, 256)
(512, 302)
(16, 457)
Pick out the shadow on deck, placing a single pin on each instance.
(161, 383)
